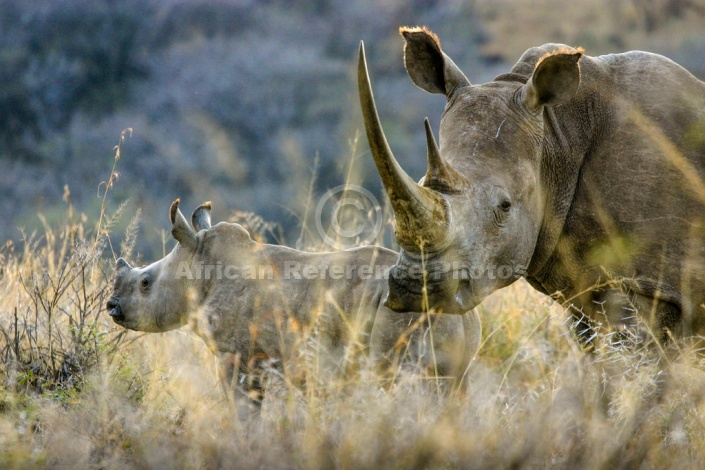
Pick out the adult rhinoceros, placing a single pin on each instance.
(582, 174)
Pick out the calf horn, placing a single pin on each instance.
(419, 212)
(180, 229)
(201, 217)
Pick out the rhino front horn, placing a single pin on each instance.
(419, 212)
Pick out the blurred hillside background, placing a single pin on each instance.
(242, 102)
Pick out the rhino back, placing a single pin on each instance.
(293, 291)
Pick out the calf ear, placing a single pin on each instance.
(180, 229)
(201, 217)
(121, 264)
(428, 66)
(555, 79)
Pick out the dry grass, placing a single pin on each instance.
(533, 399)
(78, 392)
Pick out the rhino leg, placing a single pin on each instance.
(640, 316)
(396, 339)
(456, 339)
(387, 328)
(238, 386)
(472, 328)
(443, 345)
(630, 316)
(664, 317)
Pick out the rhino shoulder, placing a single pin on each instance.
(642, 69)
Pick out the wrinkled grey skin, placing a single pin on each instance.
(585, 175)
(256, 300)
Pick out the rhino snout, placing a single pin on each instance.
(114, 309)
(409, 294)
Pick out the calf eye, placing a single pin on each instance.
(145, 282)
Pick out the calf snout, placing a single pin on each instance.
(114, 310)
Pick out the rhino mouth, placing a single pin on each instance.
(114, 310)
(405, 296)
(465, 298)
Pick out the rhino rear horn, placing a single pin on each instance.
(180, 228)
(439, 175)
(201, 217)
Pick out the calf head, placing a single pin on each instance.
(160, 296)
(471, 225)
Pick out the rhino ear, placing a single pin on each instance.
(428, 66)
(555, 79)
(180, 229)
(201, 217)
(122, 264)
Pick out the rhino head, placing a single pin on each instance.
(470, 226)
(159, 297)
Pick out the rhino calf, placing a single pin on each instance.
(251, 302)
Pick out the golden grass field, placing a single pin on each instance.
(77, 391)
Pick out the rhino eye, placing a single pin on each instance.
(146, 282)
(505, 205)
